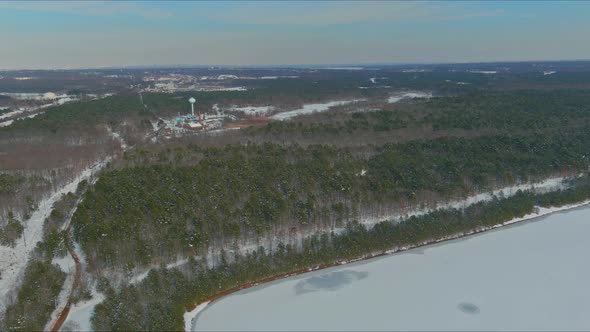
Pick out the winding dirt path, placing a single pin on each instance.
(63, 315)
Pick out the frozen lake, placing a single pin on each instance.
(529, 276)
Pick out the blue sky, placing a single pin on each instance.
(98, 34)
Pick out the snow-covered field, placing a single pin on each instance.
(486, 282)
(312, 108)
(397, 97)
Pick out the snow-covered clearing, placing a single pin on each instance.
(10, 114)
(14, 260)
(487, 72)
(254, 110)
(406, 95)
(313, 108)
(80, 313)
(276, 77)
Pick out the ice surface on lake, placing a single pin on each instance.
(528, 276)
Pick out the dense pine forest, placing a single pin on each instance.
(239, 192)
(231, 207)
(158, 302)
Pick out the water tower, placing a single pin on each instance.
(192, 101)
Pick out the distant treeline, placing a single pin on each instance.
(494, 111)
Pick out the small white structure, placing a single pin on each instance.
(192, 101)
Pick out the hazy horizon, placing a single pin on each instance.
(81, 35)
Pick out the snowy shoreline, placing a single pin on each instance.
(190, 316)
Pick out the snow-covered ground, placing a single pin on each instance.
(14, 260)
(10, 114)
(276, 77)
(80, 313)
(26, 114)
(254, 110)
(487, 72)
(67, 265)
(458, 82)
(406, 95)
(313, 108)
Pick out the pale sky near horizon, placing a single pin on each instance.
(41, 35)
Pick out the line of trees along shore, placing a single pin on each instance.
(159, 301)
